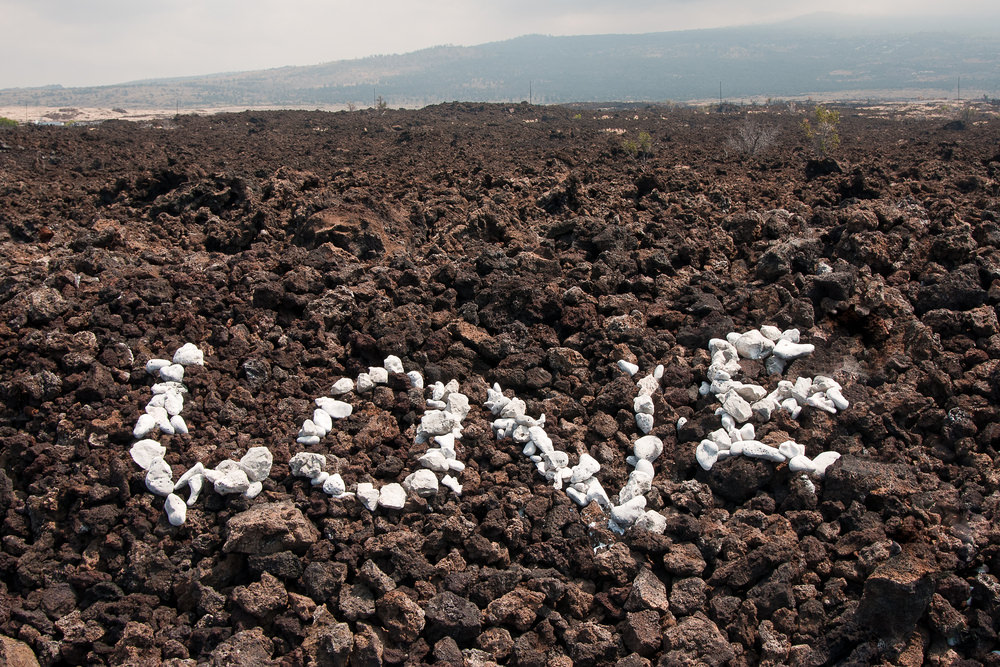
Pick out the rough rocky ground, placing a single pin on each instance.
(521, 245)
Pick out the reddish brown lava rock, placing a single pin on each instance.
(269, 528)
(519, 244)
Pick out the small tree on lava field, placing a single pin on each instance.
(752, 137)
(823, 134)
(640, 149)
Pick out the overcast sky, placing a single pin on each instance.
(97, 42)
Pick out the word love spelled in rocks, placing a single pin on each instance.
(441, 428)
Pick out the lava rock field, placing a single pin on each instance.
(532, 247)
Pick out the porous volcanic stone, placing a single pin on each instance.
(648, 592)
(402, 618)
(262, 599)
(896, 595)
(356, 602)
(16, 653)
(450, 615)
(852, 479)
(518, 609)
(368, 647)
(250, 647)
(696, 640)
(496, 641)
(269, 528)
(590, 643)
(641, 632)
(328, 642)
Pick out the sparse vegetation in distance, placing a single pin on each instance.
(7, 122)
(752, 137)
(822, 131)
(380, 104)
(968, 114)
(642, 148)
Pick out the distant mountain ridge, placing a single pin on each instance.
(817, 55)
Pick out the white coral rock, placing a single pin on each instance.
(637, 485)
(392, 496)
(232, 481)
(436, 422)
(789, 351)
(145, 451)
(790, 449)
(342, 386)
(457, 404)
(452, 484)
(648, 385)
(336, 409)
(334, 485)
(323, 420)
(628, 367)
(801, 463)
(195, 485)
(145, 425)
(737, 406)
(643, 403)
(757, 450)
(770, 332)
(175, 509)
(823, 461)
(153, 366)
(585, 468)
(368, 495)
(707, 454)
(393, 364)
(753, 345)
(642, 465)
(364, 383)
(835, 395)
(188, 354)
(652, 521)
(423, 483)
(307, 464)
(435, 460)
(648, 447)
(159, 477)
(173, 403)
(185, 479)
(257, 463)
(172, 373)
(644, 422)
(626, 514)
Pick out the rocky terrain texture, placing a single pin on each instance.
(524, 246)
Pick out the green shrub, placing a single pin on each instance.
(968, 114)
(642, 148)
(7, 122)
(823, 134)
